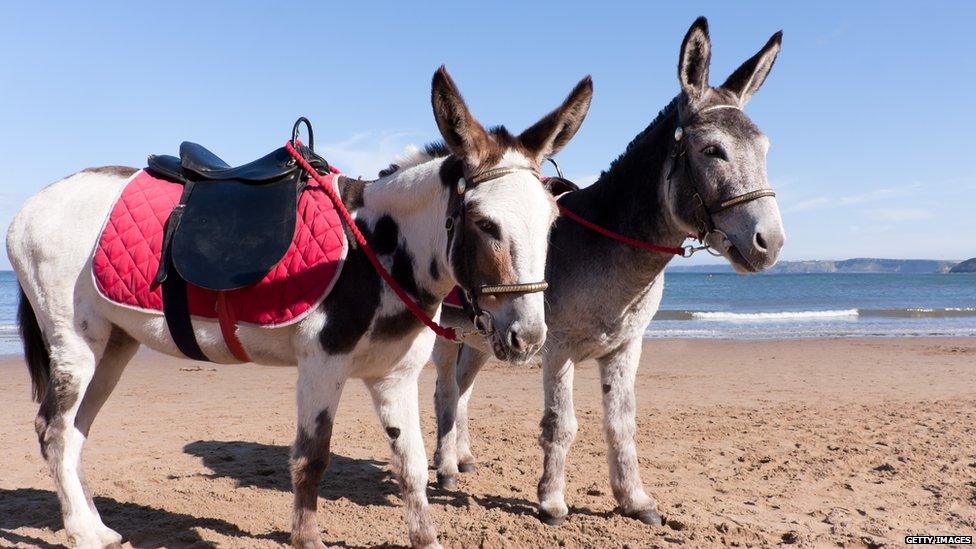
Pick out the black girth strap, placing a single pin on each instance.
(176, 308)
(177, 313)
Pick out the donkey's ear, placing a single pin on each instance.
(548, 136)
(463, 135)
(747, 79)
(695, 57)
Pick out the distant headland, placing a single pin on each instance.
(968, 266)
(856, 265)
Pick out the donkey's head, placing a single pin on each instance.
(719, 189)
(500, 214)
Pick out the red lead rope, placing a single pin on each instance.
(443, 331)
(619, 237)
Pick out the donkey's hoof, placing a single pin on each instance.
(307, 543)
(469, 467)
(447, 482)
(649, 517)
(549, 519)
(112, 540)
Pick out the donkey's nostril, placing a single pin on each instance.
(514, 340)
(761, 242)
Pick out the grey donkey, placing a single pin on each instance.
(603, 293)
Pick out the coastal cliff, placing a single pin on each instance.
(968, 266)
(856, 265)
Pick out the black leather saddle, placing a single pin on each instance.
(231, 226)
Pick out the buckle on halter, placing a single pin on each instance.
(690, 250)
(483, 324)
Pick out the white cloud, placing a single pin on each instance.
(808, 204)
(833, 35)
(877, 195)
(365, 154)
(894, 215)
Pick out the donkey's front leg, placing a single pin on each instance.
(396, 400)
(319, 388)
(618, 371)
(558, 431)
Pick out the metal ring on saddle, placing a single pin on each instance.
(297, 128)
(559, 173)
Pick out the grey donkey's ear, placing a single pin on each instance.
(695, 57)
(548, 136)
(464, 136)
(747, 79)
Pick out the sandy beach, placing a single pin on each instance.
(811, 442)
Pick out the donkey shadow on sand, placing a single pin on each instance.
(249, 464)
(147, 526)
(364, 482)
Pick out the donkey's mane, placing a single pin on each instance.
(638, 140)
(413, 156)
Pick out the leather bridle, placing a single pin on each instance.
(704, 212)
(455, 226)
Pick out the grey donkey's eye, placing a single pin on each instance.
(715, 151)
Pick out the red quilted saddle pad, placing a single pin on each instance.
(127, 256)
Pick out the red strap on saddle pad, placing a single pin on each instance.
(228, 328)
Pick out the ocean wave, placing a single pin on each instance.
(838, 314)
(950, 312)
(775, 316)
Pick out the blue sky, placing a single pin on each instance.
(869, 108)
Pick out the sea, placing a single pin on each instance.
(766, 306)
(782, 306)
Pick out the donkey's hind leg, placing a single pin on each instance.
(617, 374)
(118, 352)
(469, 364)
(445, 357)
(62, 433)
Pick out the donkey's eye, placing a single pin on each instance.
(714, 151)
(489, 227)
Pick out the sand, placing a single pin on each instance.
(815, 443)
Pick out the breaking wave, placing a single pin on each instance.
(793, 316)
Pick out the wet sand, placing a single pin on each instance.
(815, 443)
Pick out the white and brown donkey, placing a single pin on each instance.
(603, 293)
(77, 343)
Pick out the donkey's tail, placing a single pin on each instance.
(35, 349)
